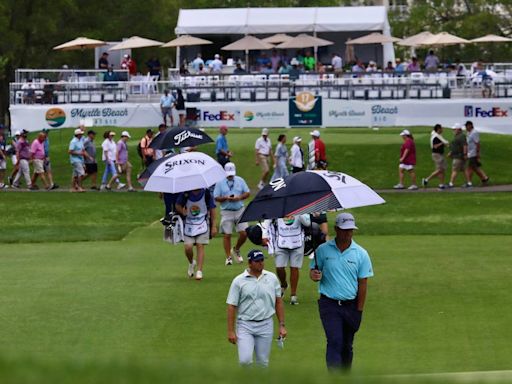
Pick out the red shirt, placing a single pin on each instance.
(410, 159)
(132, 67)
(320, 150)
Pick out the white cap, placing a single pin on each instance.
(457, 126)
(345, 221)
(405, 132)
(230, 169)
(264, 131)
(125, 55)
(315, 133)
(125, 133)
(297, 139)
(372, 62)
(217, 56)
(294, 61)
(78, 131)
(17, 133)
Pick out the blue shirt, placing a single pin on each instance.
(76, 145)
(189, 196)
(167, 101)
(227, 187)
(341, 270)
(221, 143)
(47, 147)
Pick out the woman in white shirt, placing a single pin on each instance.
(297, 156)
(109, 157)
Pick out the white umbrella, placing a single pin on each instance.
(248, 43)
(373, 38)
(185, 172)
(442, 39)
(415, 40)
(491, 39)
(186, 41)
(79, 43)
(135, 42)
(277, 38)
(304, 41)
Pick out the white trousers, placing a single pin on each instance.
(24, 170)
(254, 337)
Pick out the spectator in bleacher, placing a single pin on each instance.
(196, 62)
(299, 55)
(124, 61)
(281, 159)
(458, 153)
(275, 59)
(166, 105)
(358, 67)
(29, 92)
(461, 68)
(47, 163)
(437, 144)
(267, 69)
(389, 67)
(109, 150)
(263, 61)
(431, 62)
(283, 68)
(65, 74)
(180, 107)
(148, 153)
(76, 157)
(309, 62)
(110, 75)
(414, 65)
(154, 67)
(337, 63)
(407, 161)
(294, 72)
(24, 156)
(91, 166)
(239, 70)
(129, 64)
(216, 64)
(3, 159)
(38, 157)
(103, 61)
(372, 66)
(400, 67)
(183, 70)
(203, 69)
(124, 167)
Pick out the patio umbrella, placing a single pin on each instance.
(180, 138)
(304, 41)
(277, 38)
(491, 39)
(185, 172)
(135, 42)
(443, 39)
(186, 41)
(374, 38)
(79, 43)
(414, 40)
(308, 192)
(248, 43)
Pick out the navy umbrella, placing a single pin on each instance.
(180, 138)
(144, 176)
(308, 192)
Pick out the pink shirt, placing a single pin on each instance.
(37, 150)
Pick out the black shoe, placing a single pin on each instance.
(485, 182)
(10, 181)
(54, 186)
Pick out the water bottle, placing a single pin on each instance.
(280, 342)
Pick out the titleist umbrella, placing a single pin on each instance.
(180, 138)
(308, 192)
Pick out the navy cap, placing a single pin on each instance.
(255, 255)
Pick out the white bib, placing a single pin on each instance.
(196, 222)
(290, 236)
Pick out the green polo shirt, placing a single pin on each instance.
(255, 298)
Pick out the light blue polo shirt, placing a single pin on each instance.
(340, 270)
(76, 145)
(167, 101)
(255, 298)
(221, 143)
(227, 187)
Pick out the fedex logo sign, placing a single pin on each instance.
(221, 116)
(470, 111)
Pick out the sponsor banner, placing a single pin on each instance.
(345, 113)
(305, 110)
(264, 115)
(217, 114)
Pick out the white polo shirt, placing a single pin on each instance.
(110, 147)
(255, 298)
(264, 147)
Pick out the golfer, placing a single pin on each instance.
(254, 297)
(342, 267)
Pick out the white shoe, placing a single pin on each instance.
(398, 186)
(102, 187)
(413, 187)
(191, 268)
(229, 261)
(239, 259)
(199, 275)
(121, 185)
(294, 300)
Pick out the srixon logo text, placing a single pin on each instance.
(221, 116)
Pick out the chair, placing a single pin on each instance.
(84, 97)
(96, 97)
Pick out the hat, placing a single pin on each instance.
(230, 169)
(24, 132)
(264, 131)
(125, 133)
(91, 132)
(111, 133)
(255, 255)
(65, 66)
(45, 130)
(78, 131)
(372, 62)
(294, 61)
(457, 126)
(105, 53)
(398, 60)
(217, 56)
(315, 133)
(17, 133)
(405, 132)
(297, 139)
(345, 221)
(126, 56)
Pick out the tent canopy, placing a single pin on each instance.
(281, 20)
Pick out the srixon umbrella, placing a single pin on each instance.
(184, 172)
(180, 138)
(308, 192)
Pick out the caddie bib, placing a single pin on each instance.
(195, 222)
(289, 234)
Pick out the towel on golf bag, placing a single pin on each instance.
(173, 233)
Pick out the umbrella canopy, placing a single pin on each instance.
(443, 38)
(144, 176)
(186, 41)
(415, 40)
(135, 42)
(79, 43)
(180, 138)
(277, 38)
(373, 38)
(308, 192)
(185, 172)
(491, 39)
(248, 43)
(304, 41)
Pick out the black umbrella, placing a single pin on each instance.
(308, 192)
(179, 138)
(144, 176)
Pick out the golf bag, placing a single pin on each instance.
(173, 229)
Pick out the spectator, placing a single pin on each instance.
(267, 69)
(166, 104)
(372, 66)
(458, 153)
(29, 92)
(431, 62)
(216, 64)
(461, 68)
(129, 64)
(317, 155)
(400, 67)
(180, 107)
(474, 164)
(230, 193)
(437, 144)
(239, 70)
(221, 146)
(297, 155)
(65, 74)
(124, 166)
(91, 166)
(148, 153)
(407, 160)
(414, 65)
(38, 157)
(183, 70)
(202, 69)
(47, 163)
(275, 59)
(283, 68)
(198, 209)
(337, 63)
(263, 149)
(109, 157)
(103, 61)
(110, 75)
(389, 67)
(23, 155)
(309, 62)
(3, 160)
(281, 157)
(159, 153)
(358, 67)
(14, 157)
(154, 67)
(263, 61)
(197, 61)
(76, 156)
(294, 72)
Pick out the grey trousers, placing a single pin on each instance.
(24, 170)
(254, 337)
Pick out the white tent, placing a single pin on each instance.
(312, 20)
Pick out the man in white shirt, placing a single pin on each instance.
(337, 63)
(216, 64)
(297, 156)
(263, 151)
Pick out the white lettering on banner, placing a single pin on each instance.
(182, 136)
(169, 166)
(277, 184)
